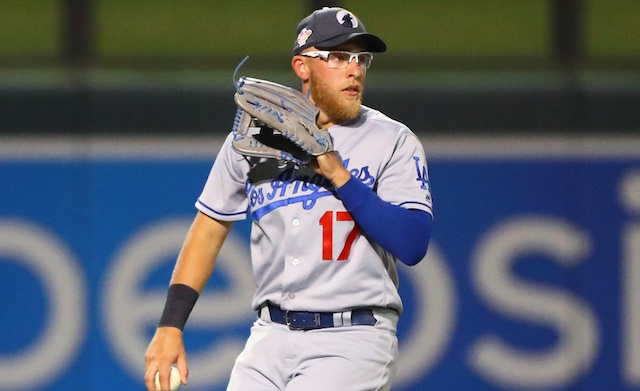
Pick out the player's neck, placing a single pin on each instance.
(324, 121)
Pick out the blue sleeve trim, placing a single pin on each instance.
(416, 205)
(403, 232)
(225, 216)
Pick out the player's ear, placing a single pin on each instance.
(300, 68)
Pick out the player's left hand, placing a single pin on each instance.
(276, 121)
(330, 166)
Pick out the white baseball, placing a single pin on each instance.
(174, 379)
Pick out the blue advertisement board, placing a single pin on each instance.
(531, 281)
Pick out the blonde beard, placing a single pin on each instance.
(332, 103)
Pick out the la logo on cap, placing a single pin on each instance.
(347, 19)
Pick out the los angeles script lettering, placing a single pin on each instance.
(294, 186)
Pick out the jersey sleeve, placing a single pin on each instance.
(404, 180)
(223, 196)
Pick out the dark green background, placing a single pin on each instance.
(453, 66)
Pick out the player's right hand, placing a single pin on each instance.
(166, 348)
(330, 166)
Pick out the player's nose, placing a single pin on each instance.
(355, 68)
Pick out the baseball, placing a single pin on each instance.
(174, 379)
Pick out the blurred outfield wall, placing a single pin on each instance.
(502, 103)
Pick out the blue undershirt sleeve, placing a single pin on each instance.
(403, 232)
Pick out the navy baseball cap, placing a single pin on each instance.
(329, 27)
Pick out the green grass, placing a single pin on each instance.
(29, 27)
(612, 28)
(229, 29)
(192, 27)
(460, 27)
(436, 27)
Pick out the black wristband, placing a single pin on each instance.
(180, 301)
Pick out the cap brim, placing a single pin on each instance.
(371, 42)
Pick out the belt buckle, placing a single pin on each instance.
(288, 322)
(316, 322)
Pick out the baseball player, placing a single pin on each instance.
(325, 239)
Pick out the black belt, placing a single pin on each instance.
(303, 320)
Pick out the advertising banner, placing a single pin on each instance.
(531, 281)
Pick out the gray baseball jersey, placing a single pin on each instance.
(307, 252)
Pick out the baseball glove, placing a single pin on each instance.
(276, 121)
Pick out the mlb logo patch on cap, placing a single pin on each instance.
(347, 19)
